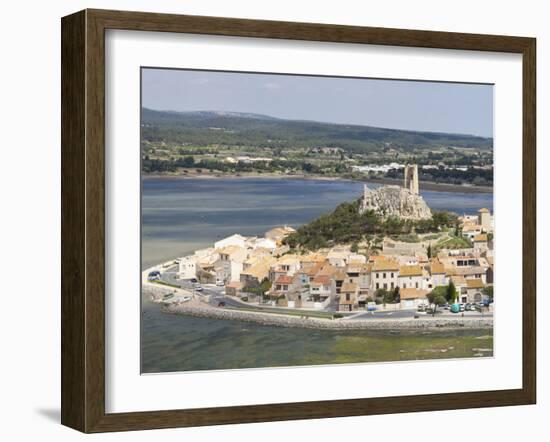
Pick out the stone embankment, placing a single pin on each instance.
(201, 310)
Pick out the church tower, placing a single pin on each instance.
(411, 178)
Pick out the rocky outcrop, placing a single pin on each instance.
(395, 201)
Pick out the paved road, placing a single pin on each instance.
(380, 315)
(217, 295)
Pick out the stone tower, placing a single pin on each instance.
(411, 178)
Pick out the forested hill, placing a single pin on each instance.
(241, 129)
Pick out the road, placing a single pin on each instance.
(217, 295)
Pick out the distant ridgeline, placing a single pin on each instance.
(262, 131)
(388, 210)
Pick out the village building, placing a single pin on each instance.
(469, 231)
(485, 220)
(413, 297)
(277, 234)
(410, 277)
(348, 297)
(321, 288)
(188, 267)
(480, 242)
(384, 274)
(229, 265)
(460, 286)
(233, 288)
(253, 276)
(474, 290)
(233, 240)
(438, 274)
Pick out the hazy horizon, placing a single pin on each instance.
(305, 120)
(421, 106)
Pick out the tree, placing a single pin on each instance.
(429, 251)
(451, 294)
(437, 297)
(457, 230)
(396, 295)
(354, 247)
(265, 286)
(188, 161)
(488, 291)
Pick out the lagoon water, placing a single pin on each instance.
(182, 215)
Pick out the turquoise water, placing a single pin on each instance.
(182, 215)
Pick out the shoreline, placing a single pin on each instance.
(437, 187)
(195, 309)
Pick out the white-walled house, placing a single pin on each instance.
(384, 274)
(233, 240)
(188, 267)
(410, 277)
(438, 274)
(229, 265)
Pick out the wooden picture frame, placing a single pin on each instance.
(83, 220)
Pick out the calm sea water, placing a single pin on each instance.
(182, 215)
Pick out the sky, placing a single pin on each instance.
(397, 104)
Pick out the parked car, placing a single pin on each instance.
(221, 304)
(153, 276)
(199, 288)
(194, 280)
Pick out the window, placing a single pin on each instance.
(384, 275)
(377, 285)
(392, 276)
(377, 275)
(385, 286)
(347, 296)
(416, 284)
(391, 285)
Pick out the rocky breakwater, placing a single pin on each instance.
(395, 201)
(201, 310)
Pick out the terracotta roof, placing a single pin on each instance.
(288, 259)
(259, 270)
(313, 257)
(469, 270)
(474, 283)
(471, 227)
(436, 267)
(410, 271)
(348, 287)
(340, 274)
(314, 269)
(234, 285)
(412, 293)
(458, 280)
(484, 210)
(480, 238)
(230, 250)
(385, 264)
(284, 279)
(327, 269)
(321, 280)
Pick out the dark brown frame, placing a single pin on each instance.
(83, 216)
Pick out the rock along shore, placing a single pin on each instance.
(199, 310)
